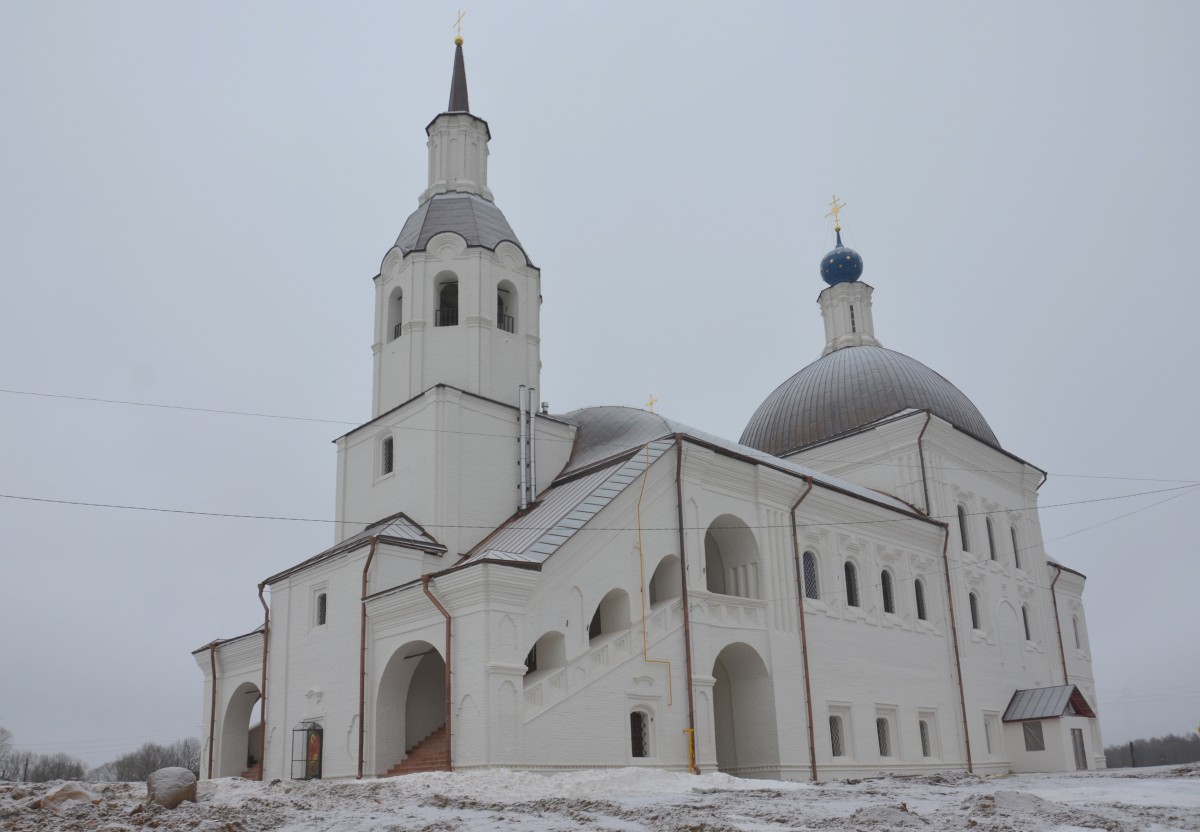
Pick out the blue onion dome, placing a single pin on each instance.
(842, 265)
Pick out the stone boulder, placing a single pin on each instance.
(66, 796)
(168, 787)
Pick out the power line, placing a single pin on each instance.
(228, 412)
(234, 515)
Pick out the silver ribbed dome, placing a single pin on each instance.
(475, 219)
(853, 387)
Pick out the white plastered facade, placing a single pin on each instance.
(662, 603)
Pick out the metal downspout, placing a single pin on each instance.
(212, 709)
(687, 618)
(804, 635)
(362, 656)
(812, 741)
(921, 454)
(449, 699)
(1057, 621)
(262, 714)
(962, 700)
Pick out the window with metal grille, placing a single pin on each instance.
(386, 456)
(889, 597)
(322, 606)
(851, 584)
(919, 591)
(1075, 630)
(991, 538)
(853, 327)
(836, 740)
(926, 745)
(812, 589)
(639, 733)
(1034, 740)
(974, 600)
(1025, 620)
(962, 529)
(987, 734)
(1016, 548)
(885, 738)
(446, 313)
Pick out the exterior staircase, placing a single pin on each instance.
(254, 772)
(430, 754)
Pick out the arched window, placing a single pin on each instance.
(548, 652)
(667, 581)
(1025, 620)
(612, 614)
(974, 599)
(1075, 630)
(639, 733)
(991, 538)
(837, 738)
(851, 584)
(322, 608)
(812, 588)
(731, 558)
(884, 734)
(889, 597)
(506, 307)
(962, 529)
(446, 313)
(386, 457)
(919, 591)
(395, 315)
(1016, 548)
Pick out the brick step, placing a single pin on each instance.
(430, 754)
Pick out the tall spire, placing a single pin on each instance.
(458, 83)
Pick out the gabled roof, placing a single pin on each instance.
(1047, 703)
(396, 530)
(563, 509)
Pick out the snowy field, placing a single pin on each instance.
(1154, 799)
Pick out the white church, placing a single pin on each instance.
(857, 585)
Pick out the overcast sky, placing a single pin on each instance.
(195, 196)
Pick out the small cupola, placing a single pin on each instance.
(846, 304)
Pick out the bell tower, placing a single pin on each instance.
(457, 299)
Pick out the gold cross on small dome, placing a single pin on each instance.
(651, 402)
(835, 211)
(458, 26)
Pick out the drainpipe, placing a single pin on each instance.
(1058, 622)
(687, 617)
(962, 700)
(812, 741)
(212, 709)
(921, 454)
(262, 714)
(522, 461)
(362, 655)
(449, 700)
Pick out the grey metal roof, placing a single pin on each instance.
(1046, 703)
(470, 216)
(563, 510)
(458, 84)
(606, 432)
(853, 387)
(398, 530)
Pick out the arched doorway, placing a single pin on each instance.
(744, 714)
(411, 704)
(239, 738)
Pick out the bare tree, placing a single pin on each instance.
(106, 773)
(60, 766)
(137, 765)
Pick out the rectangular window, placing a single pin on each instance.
(639, 733)
(927, 728)
(322, 608)
(884, 734)
(1034, 741)
(926, 745)
(991, 733)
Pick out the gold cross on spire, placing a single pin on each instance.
(458, 26)
(835, 210)
(650, 404)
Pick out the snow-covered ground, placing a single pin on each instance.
(1125, 800)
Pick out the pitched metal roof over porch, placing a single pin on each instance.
(1047, 703)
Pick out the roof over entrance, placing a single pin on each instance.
(1047, 703)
